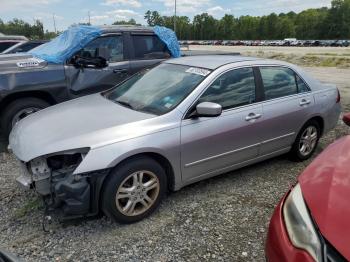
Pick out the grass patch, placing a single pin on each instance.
(28, 206)
(327, 54)
(307, 60)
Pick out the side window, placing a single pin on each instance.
(278, 82)
(302, 87)
(149, 47)
(109, 47)
(232, 89)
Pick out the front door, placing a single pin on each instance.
(91, 80)
(210, 145)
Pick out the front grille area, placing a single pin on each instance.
(331, 254)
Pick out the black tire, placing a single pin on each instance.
(296, 153)
(15, 107)
(118, 176)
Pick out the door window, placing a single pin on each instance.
(108, 47)
(149, 47)
(302, 87)
(278, 82)
(232, 89)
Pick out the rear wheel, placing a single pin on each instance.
(134, 190)
(19, 109)
(306, 141)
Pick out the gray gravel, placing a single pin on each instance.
(224, 219)
(221, 219)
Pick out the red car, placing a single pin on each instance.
(312, 221)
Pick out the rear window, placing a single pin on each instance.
(149, 47)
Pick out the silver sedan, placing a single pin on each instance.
(183, 121)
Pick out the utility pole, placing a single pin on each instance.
(54, 23)
(175, 18)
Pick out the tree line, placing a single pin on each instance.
(32, 31)
(321, 23)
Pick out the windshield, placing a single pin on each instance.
(159, 90)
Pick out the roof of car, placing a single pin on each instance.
(121, 28)
(210, 61)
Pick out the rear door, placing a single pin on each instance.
(287, 106)
(92, 80)
(147, 51)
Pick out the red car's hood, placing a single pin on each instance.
(326, 189)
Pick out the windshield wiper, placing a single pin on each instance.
(124, 103)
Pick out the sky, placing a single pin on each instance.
(68, 12)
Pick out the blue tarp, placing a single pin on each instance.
(66, 44)
(168, 36)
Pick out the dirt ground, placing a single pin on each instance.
(335, 51)
(221, 219)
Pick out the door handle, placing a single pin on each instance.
(120, 71)
(304, 102)
(252, 116)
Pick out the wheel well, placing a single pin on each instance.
(163, 161)
(320, 121)
(37, 94)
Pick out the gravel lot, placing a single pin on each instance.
(224, 218)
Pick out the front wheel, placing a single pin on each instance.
(134, 190)
(306, 141)
(19, 109)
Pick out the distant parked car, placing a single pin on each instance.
(6, 41)
(186, 120)
(311, 223)
(24, 46)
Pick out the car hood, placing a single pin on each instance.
(326, 189)
(91, 121)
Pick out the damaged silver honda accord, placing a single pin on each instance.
(186, 120)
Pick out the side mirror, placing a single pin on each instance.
(346, 119)
(208, 109)
(95, 62)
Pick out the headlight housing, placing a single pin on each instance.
(62, 162)
(299, 225)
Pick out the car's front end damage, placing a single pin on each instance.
(53, 178)
(65, 154)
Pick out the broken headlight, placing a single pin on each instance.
(60, 163)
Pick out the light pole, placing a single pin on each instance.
(54, 23)
(175, 18)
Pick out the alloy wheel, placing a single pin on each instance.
(137, 193)
(23, 113)
(308, 141)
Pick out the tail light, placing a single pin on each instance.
(338, 97)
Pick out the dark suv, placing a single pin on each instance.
(28, 85)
